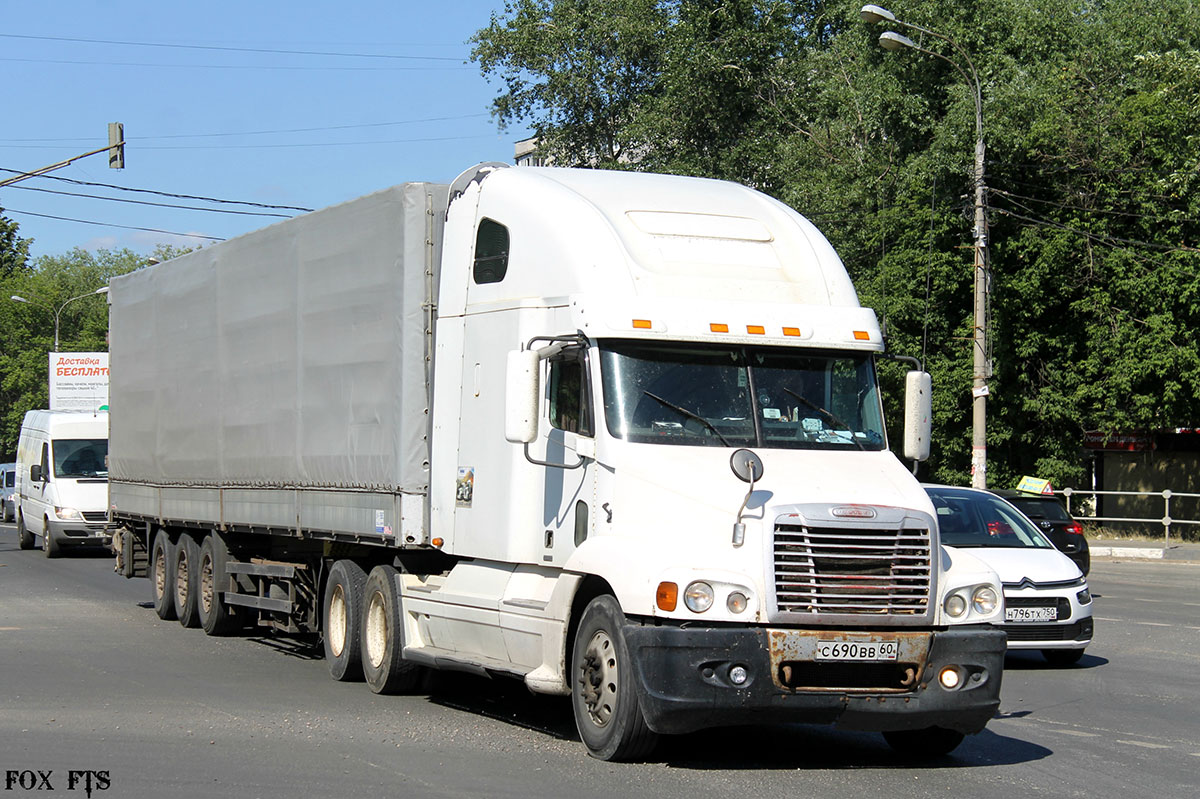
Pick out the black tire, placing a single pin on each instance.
(50, 547)
(1062, 657)
(924, 743)
(24, 537)
(216, 617)
(162, 576)
(603, 691)
(341, 620)
(185, 563)
(383, 662)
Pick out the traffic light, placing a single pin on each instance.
(116, 145)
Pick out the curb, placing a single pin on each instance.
(1146, 553)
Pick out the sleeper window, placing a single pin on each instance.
(491, 252)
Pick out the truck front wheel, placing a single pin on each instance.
(342, 620)
(383, 636)
(603, 693)
(162, 577)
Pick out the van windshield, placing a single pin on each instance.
(735, 396)
(81, 457)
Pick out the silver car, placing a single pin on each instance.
(8, 486)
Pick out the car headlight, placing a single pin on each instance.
(985, 600)
(698, 597)
(1084, 596)
(67, 513)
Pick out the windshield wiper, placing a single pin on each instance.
(690, 415)
(835, 420)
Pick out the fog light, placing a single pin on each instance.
(737, 602)
(698, 597)
(738, 675)
(949, 678)
(956, 605)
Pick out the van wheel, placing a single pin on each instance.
(50, 547)
(383, 636)
(24, 537)
(186, 565)
(342, 620)
(162, 577)
(603, 693)
(216, 617)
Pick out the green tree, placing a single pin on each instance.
(14, 251)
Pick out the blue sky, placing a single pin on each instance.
(213, 108)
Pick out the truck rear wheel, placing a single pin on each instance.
(216, 617)
(383, 636)
(186, 565)
(342, 620)
(162, 578)
(603, 693)
(24, 537)
(924, 743)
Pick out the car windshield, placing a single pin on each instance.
(81, 457)
(976, 519)
(1047, 509)
(773, 397)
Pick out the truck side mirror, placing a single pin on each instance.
(522, 391)
(918, 411)
(35, 473)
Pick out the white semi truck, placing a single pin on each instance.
(618, 435)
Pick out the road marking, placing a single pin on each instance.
(1105, 618)
(9, 629)
(1143, 744)
(1079, 733)
(1153, 624)
(1139, 599)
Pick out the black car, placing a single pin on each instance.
(1050, 515)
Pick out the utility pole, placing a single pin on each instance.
(115, 150)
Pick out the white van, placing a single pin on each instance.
(62, 480)
(8, 487)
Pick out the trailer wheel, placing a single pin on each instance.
(186, 565)
(342, 620)
(162, 577)
(383, 636)
(50, 547)
(24, 537)
(603, 693)
(924, 743)
(216, 617)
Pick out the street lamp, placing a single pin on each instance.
(891, 41)
(58, 311)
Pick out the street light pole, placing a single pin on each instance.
(58, 311)
(892, 41)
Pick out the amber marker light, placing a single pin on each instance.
(437, 542)
(862, 335)
(756, 330)
(641, 324)
(717, 327)
(791, 331)
(668, 596)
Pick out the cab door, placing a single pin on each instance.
(570, 475)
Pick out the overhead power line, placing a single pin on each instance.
(164, 193)
(157, 205)
(107, 224)
(277, 67)
(176, 46)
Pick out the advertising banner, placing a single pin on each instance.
(79, 381)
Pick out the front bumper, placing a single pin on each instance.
(76, 532)
(683, 680)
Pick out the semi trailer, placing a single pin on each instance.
(617, 435)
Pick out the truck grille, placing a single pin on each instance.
(832, 570)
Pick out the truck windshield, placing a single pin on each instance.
(704, 395)
(80, 457)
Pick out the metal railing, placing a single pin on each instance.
(1165, 520)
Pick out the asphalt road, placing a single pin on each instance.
(91, 680)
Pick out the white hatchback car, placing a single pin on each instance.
(1047, 604)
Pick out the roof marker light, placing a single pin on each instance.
(717, 327)
(756, 330)
(641, 324)
(791, 331)
(862, 335)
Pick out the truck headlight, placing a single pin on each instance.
(698, 597)
(956, 605)
(985, 600)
